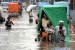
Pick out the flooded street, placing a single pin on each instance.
(22, 36)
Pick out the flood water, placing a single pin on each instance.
(22, 36)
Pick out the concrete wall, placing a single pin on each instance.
(74, 4)
(72, 12)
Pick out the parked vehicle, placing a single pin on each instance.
(4, 5)
(14, 9)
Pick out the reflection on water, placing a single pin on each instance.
(24, 39)
(53, 46)
(44, 46)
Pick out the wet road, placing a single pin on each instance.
(72, 36)
(22, 36)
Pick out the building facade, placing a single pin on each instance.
(72, 4)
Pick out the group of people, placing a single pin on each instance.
(53, 34)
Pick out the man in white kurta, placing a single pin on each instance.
(60, 31)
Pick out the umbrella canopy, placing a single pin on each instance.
(30, 7)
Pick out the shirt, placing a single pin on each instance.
(57, 30)
(50, 30)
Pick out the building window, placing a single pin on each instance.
(72, 4)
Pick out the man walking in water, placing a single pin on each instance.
(8, 23)
(60, 31)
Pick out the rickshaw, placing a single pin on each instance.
(54, 13)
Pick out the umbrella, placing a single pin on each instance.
(30, 7)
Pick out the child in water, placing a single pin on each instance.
(8, 23)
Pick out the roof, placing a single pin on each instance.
(53, 6)
(42, 3)
(4, 2)
(13, 3)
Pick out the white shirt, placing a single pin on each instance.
(49, 30)
(57, 30)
